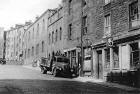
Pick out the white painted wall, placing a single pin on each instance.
(125, 57)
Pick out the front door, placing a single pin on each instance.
(99, 65)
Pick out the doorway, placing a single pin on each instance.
(99, 65)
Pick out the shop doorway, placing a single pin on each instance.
(99, 65)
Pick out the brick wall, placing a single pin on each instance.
(75, 20)
(119, 16)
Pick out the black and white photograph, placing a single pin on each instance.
(69, 46)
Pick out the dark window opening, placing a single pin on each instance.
(134, 55)
(84, 25)
(134, 15)
(70, 32)
(116, 57)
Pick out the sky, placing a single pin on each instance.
(19, 11)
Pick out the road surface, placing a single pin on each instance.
(21, 80)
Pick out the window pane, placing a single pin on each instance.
(134, 16)
(107, 26)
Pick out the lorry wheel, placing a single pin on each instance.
(43, 71)
(46, 72)
(55, 73)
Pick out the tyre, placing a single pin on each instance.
(55, 72)
(43, 71)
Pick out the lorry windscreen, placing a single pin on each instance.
(65, 60)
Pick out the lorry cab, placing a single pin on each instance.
(60, 66)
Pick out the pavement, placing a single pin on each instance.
(31, 67)
(97, 81)
(108, 84)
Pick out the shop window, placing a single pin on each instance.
(73, 58)
(134, 15)
(116, 57)
(107, 57)
(69, 56)
(134, 55)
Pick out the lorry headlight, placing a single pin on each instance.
(60, 68)
(71, 70)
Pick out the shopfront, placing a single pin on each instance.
(74, 56)
(87, 62)
(119, 63)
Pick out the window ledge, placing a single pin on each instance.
(107, 4)
(116, 69)
(134, 28)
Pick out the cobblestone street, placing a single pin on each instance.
(21, 80)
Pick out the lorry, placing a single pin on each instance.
(57, 65)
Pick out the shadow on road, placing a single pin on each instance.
(27, 86)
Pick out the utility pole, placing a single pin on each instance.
(82, 53)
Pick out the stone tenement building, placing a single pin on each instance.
(14, 42)
(108, 30)
(110, 36)
(1, 41)
(55, 33)
(35, 38)
(9, 44)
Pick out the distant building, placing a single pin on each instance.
(4, 45)
(10, 44)
(1, 42)
(14, 42)
(35, 41)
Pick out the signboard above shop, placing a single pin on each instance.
(87, 52)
